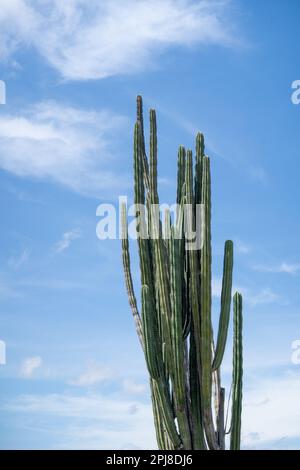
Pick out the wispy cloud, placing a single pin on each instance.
(6, 289)
(253, 298)
(91, 421)
(92, 375)
(49, 283)
(270, 413)
(30, 365)
(66, 240)
(70, 146)
(284, 267)
(97, 39)
(262, 297)
(133, 388)
(258, 174)
(115, 422)
(242, 247)
(16, 262)
(18, 21)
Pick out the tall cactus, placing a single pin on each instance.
(175, 324)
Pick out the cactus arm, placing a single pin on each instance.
(178, 373)
(203, 328)
(236, 410)
(199, 166)
(225, 304)
(153, 356)
(167, 413)
(159, 249)
(196, 407)
(163, 439)
(192, 260)
(158, 424)
(221, 420)
(198, 183)
(153, 350)
(181, 199)
(180, 173)
(216, 381)
(139, 200)
(167, 233)
(140, 120)
(205, 296)
(139, 190)
(183, 259)
(195, 369)
(193, 279)
(128, 276)
(153, 155)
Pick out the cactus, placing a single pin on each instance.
(175, 324)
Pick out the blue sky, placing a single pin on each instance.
(75, 375)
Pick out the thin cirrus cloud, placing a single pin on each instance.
(94, 421)
(133, 388)
(62, 144)
(269, 412)
(97, 39)
(262, 297)
(30, 365)
(16, 262)
(66, 240)
(93, 375)
(112, 421)
(252, 298)
(242, 247)
(288, 268)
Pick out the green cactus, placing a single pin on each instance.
(237, 376)
(175, 324)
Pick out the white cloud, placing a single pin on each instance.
(271, 412)
(91, 421)
(48, 283)
(258, 174)
(97, 39)
(30, 365)
(284, 267)
(133, 388)
(95, 421)
(16, 262)
(6, 289)
(63, 144)
(94, 374)
(66, 240)
(264, 296)
(17, 23)
(252, 298)
(242, 247)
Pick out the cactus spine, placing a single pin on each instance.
(175, 324)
